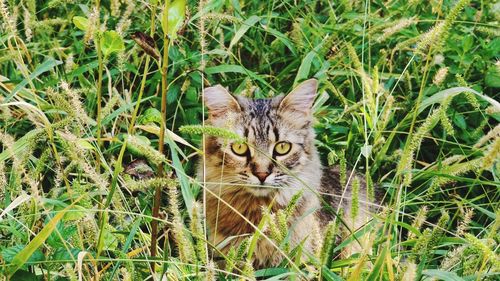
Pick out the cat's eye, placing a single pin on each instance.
(239, 148)
(282, 148)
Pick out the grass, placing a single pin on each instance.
(91, 113)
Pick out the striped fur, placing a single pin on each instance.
(232, 178)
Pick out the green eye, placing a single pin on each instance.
(282, 148)
(239, 148)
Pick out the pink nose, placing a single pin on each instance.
(261, 176)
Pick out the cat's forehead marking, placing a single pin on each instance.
(262, 125)
(260, 121)
(259, 108)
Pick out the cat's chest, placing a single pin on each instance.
(242, 215)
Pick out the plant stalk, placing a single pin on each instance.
(158, 189)
(97, 40)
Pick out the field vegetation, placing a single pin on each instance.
(101, 122)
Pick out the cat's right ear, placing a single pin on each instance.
(219, 101)
(301, 99)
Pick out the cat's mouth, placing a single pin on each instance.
(262, 190)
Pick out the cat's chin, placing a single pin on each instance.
(260, 191)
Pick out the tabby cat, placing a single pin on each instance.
(277, 160)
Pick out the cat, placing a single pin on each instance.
(277, 160)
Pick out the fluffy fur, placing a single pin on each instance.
(236, 195)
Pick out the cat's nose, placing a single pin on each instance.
(261, 176)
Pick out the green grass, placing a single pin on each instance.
(409, 96)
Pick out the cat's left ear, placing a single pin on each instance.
(301, 98)
(219, 101)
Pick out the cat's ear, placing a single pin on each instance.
(301, 98)
(219, 101)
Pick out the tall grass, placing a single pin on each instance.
(408, 97)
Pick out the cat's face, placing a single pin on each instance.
(279, 147)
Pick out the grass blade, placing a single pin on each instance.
(21, 258)
(44, 67)
(245, 26)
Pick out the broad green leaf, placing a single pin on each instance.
(23, 256)
(151, 115)
(459, 120)
(468, 43)
(77, 213)
(173, 18)
(81, 23)
(268, 272)
(245, 26)
(57, 237)
(8, 254)
(23, 275)
(62, 254)
(110, 240)
(111, 42)
(283, 276)
(492, 78)
(442, 275)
